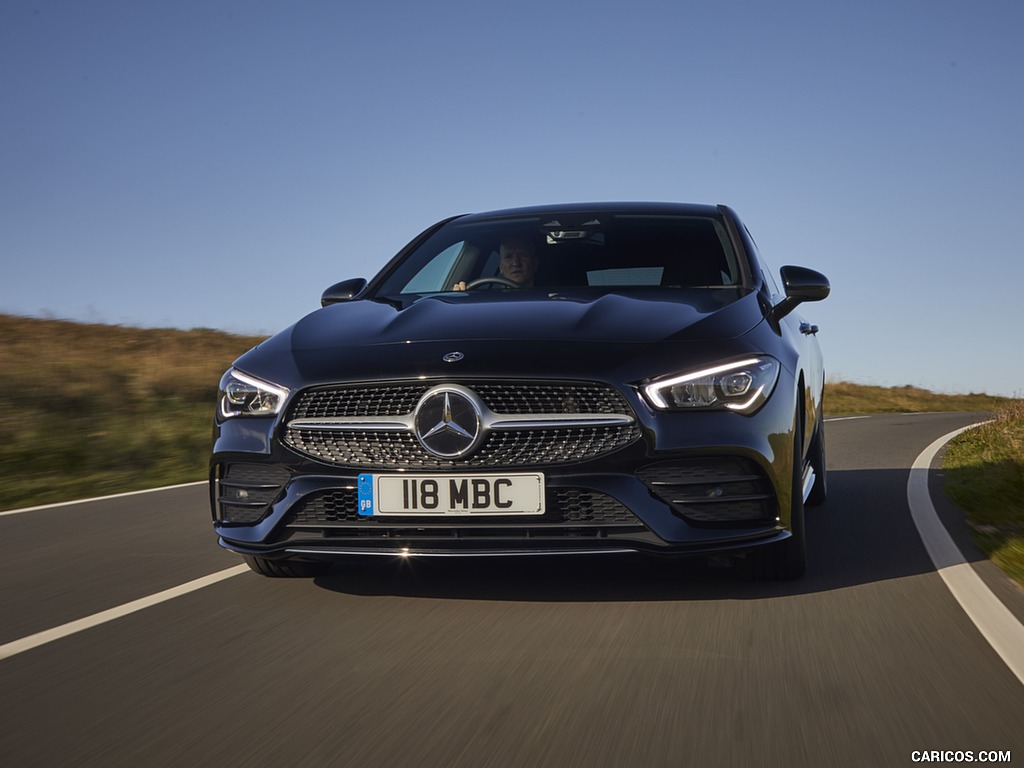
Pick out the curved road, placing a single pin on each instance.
(604, 661)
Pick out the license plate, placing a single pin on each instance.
(519, 494)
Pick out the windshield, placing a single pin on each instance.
(602, 252)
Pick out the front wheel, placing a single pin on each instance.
(819, 491)
(787, 560)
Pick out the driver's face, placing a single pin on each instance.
(518, 262)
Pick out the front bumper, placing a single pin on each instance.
(692, 483)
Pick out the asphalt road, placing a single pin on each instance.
(603, 661)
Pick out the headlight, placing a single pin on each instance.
(743, 386)
(243, 395)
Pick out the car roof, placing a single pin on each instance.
(562, 209)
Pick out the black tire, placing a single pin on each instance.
(281, 569)
(819, 491)
(787, 560)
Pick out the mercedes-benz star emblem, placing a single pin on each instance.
(453, 357)
(447, 422)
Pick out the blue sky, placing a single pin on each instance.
(218, 164)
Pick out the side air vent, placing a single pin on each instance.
(246, 491)
(718, 491)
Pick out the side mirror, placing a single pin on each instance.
(346, 290)
(801, 284)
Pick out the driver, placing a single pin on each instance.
(517, 262)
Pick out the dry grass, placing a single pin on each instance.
(842, 397)
(95, 409)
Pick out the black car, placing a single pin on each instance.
(551, 380)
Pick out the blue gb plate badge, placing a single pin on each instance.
(366, 495)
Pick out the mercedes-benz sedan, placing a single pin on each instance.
(554, 380)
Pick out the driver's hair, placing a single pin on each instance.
(522, 241)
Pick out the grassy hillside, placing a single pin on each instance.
(88, 410)
(846, 398)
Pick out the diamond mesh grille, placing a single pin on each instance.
(505, 448)
(393, 400)
(390, 450)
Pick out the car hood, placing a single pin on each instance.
(498, 335)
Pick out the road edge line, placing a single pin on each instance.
(21, 645)
(57, 504)
(994, 620)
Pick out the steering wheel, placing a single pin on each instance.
(485, 280)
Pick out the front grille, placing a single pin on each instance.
(246, 491)
(713, 491)
(400, 449)
(564, 507)
(390, 450)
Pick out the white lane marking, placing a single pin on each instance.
(100, 498)
(993, 619)
(847, 418)
(15, 647)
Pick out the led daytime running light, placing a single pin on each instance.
(707, 391)
(243, 395)
(654, 390)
